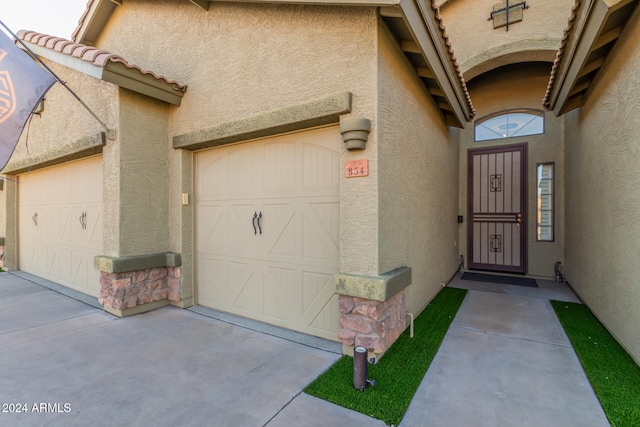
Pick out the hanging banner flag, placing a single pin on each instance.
(23, 83)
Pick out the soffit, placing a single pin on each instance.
(105, 66)
(593, 29)
(419, 30)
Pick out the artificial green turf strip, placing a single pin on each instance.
(399, 373)
(613, 374)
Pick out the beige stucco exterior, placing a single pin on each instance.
(255, 70)
(418, 180)
(245, 66)
(140, 178)
(603, 198)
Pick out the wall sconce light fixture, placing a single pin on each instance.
(355, 132)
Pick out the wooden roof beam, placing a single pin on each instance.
(409, 46)
(607, 38)
(425, 73)
(591, 66)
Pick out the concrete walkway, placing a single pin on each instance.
(505, 361)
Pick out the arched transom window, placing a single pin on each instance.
(509, 124)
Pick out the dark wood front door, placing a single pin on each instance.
(497, 194)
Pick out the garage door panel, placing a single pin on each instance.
(68, 231)
(281, 237)
(318, 163)
(93, 221)
(241, 173)
(283, 276)
(280, 294)
(281, 170)
(81, 269)
(212, 271)
(325, 320)
(319, 232)
(53, 263)
(215, 169)
(246, 289)
(239, 229)
(56, 241)
(211, 234)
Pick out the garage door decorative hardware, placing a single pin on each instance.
(83, 220)
(35, 218)
(256, 220)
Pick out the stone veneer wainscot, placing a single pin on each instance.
(134, 284)
(372, 309)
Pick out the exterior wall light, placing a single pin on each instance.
(355, 132)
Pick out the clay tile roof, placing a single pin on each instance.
(81, 20)
(90, 54)
(556, 63)
(454, 60)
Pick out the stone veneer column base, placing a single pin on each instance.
(371, 324)
(147, 282)
(372, 310)
(121, 291)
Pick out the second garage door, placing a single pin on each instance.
(267, 230)
(60, 223)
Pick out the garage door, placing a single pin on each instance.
(267, 230)
(60, 223)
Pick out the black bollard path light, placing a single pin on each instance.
(360, 381)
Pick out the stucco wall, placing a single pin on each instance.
(603, 193)
(535, 38)
(64, 120)
(244, 59)
(241, 60)
(418, 179)
(520, 86)
(143, 182)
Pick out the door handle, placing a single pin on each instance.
(518, 218)
(253, 222)
(83, 220)
(260, 225)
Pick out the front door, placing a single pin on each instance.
(497, 226)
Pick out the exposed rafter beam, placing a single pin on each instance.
(443, 105)
(607, 38)
(425, 73)
(436, 91)
(580, 88)
(592, 66)
(572, 103)
(409, 46)
(202, 3)
(390, 12)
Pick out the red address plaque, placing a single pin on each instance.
(357, 168)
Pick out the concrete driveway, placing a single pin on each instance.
(504, 362)
(66, 363)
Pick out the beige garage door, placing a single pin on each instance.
(267, 230)
(60, 223)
